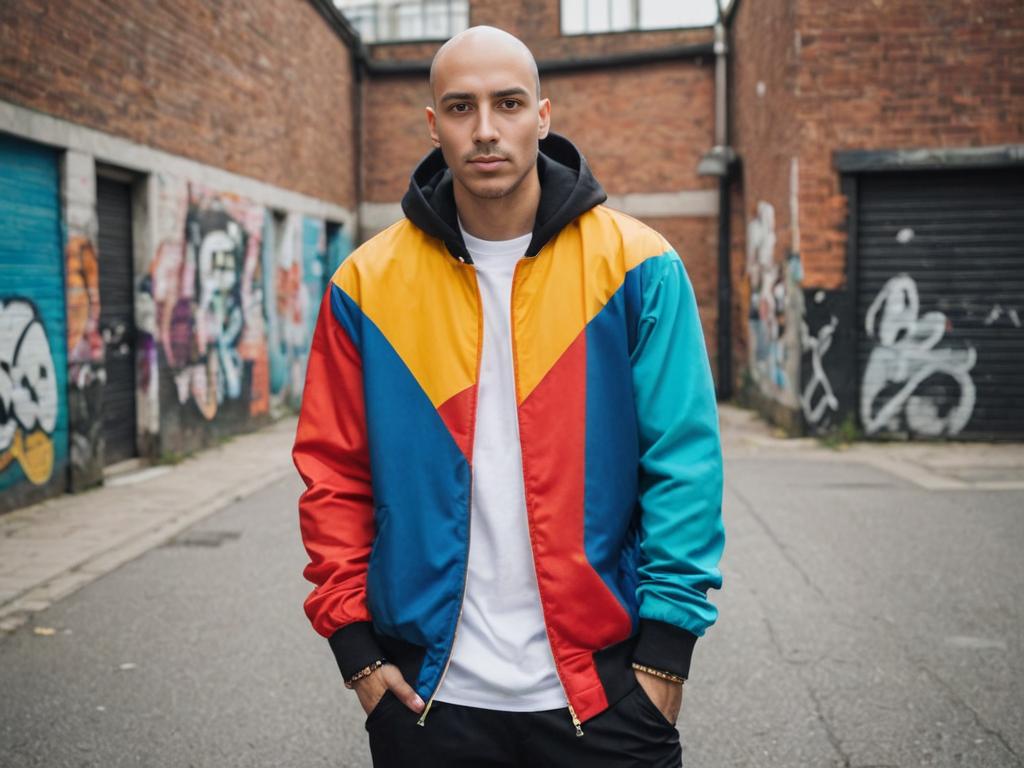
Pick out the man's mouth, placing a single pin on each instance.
(487, 162)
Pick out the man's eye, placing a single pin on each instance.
(510, 103)
(459, 107)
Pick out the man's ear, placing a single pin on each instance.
(544, 115)
(432, 125)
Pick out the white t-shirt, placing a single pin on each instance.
(501, 658)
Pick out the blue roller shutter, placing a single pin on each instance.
(33, 346)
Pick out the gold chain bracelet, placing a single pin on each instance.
(658, 673)
(364, 672)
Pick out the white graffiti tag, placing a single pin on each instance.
(28, 381)
(906, 356)
(818, 345)
(29, 396)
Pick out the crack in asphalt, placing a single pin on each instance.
(777, 542)
(907, 651)
(978, 721)
(830, 734)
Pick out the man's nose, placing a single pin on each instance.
(486, 129)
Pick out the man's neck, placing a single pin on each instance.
(500, 218)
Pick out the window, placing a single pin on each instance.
(398, 20)
(588, 17)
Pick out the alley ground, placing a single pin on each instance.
(872, 615)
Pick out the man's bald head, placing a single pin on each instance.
(481, 42)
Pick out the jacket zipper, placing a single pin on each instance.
(515, 366)
(469, 511)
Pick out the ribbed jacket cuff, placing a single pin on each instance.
(664, 647)
(355, 647)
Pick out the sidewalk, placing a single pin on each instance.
(52, 549)
(946, 466)
(49, 550)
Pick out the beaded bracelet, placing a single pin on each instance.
(364, 672)
(658, 673)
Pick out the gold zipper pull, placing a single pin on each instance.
(575, 721)
(423, 718)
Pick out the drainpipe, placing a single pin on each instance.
(720, 162)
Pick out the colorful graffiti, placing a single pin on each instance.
(86, 371)
(230, 303)
(773, 299)
(297, 272)
(206, 286)
(904, 359)
(29, 394)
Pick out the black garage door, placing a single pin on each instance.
(117, 317)
(940, 303)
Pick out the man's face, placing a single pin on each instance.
(486, 118)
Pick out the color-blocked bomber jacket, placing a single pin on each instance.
(617, 424)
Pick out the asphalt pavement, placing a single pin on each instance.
(871, 615)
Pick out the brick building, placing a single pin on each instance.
(176, 181)
(842, 181)
(878, 227)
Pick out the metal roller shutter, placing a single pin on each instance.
(940, 303)
(117, 317)
(33, 331)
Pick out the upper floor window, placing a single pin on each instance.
(588, 17)
(405, 20)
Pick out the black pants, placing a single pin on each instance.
(632, 732)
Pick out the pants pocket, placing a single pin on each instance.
(648, 707)
(380, 708)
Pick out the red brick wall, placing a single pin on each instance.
(259, 88)
(870, 76)
(395, 135)
(666, 109)
(918, 73)
(764, 127)
(642, 129)
(766, 133)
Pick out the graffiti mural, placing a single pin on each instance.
(828, 382)
(910, 383)
(225, 313)
(818, 398)
(773, 299)
(299, 277)
(29, 393)
(86, 372)
(206, 289)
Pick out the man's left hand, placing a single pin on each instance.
(666, 695)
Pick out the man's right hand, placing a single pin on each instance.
(371, 688)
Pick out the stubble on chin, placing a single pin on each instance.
(491, 191)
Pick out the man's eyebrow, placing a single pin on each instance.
(517, 91)
(466, 96)
(456, 96)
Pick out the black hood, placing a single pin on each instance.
(567, 189)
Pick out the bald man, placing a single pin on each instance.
(510, 444)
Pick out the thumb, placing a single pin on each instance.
(402, 690)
